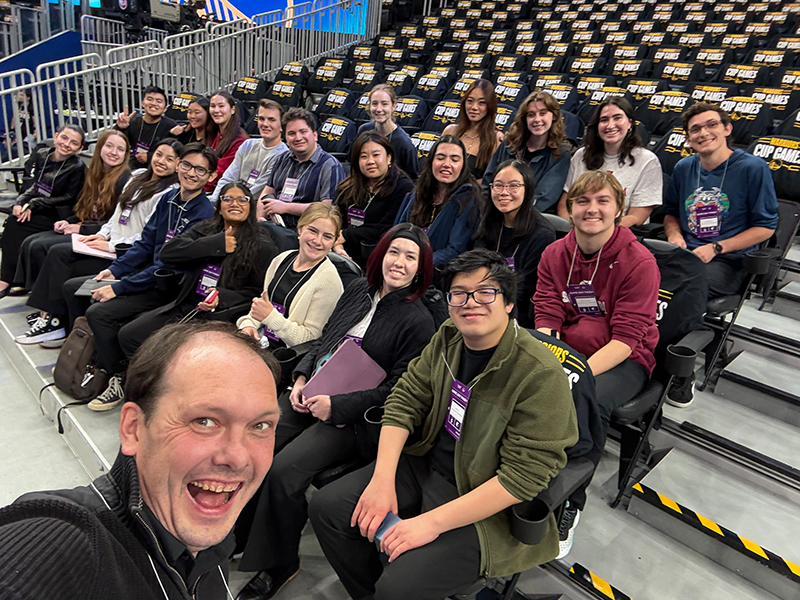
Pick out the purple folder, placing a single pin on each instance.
(350, 369)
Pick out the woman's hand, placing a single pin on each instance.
(71, 228)
(320, 406)
(339, 249)
(104, 294)
(99, 244)
(179, 129)
(60, 226)
(230, 239)
(103, 275)
(261, 307)
(85, 239)
(209, 306)
(296, 395)
(251, 331)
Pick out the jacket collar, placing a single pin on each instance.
(505, 349)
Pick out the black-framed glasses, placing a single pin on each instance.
(237, 199)
(481, 296)
(713, 124)
(188, 167)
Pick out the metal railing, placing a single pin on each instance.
(28, 26)
(17, 117)
(7, 39)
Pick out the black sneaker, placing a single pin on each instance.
(681, 392)
(566, 529)
(112, 397)
(43, 329)
(265, 585)
(31, 318)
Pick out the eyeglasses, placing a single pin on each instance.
(695, 129)
(188, 167)
(511, 187)
(481, 296)
(237, 199)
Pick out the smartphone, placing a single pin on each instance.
(388, 522)
(278, 220)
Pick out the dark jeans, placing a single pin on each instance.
(437, 570)
(32, 255)
(725, 276)
(304, 447)
(13, 235)
(61, 265)
(613, 388)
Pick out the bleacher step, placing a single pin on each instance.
(746, 529)
(787, 301)
(780, 329)
(765, 385)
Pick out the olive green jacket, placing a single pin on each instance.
(520, 420)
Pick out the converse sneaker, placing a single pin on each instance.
(44, 329)
(566, 529)
(681, 392)
(31, 318)
(112, 397)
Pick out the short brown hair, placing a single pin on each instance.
(594, 181)
(299, 114)
(701, 107)
(270, 104)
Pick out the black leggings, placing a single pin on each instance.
(13, 236)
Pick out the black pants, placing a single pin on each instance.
(725, 275)
(446, 566)
(107, 318)
(32, 255)
(613, 388)
(13, 236)
(76, 306)
(61, 265)
(304, 447)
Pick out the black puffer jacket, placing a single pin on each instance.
(66, 178)
(398, 332)
(75, 545)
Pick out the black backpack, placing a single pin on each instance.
(433, 299)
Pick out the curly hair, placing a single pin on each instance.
(518, 134)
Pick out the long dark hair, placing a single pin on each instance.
(594, 146)
(518, 134)
(422, 280)
(354, 190)
(231, 129)
(141, 188)
(491, 224)
(242, 263)
(487, 132)
(211, 127)
(428, 186)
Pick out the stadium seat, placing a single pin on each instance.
(751, 118)
(443, 114)
(286, 93)
(359, 113)
(337, 102)
(424, 141)
(663, 110)
(588, 106)
(180, 104)
(328, 75)
(336, 136)
(410, 113)
(504, 117)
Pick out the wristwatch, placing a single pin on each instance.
(717, 248)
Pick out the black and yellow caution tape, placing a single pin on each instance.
(733, 540)
(595, 584)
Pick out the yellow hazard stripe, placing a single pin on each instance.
(669, 503)
(792, 567)
(602, 586)
(753, 547)
(709, 524)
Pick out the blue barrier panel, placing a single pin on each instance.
(63, 45)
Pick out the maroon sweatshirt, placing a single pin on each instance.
(627, 282)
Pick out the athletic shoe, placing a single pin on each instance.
(112, 397)
(31, 318)
(566, 529)
(44, 329)
(681, 392)
(53, 344)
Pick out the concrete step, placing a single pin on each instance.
(787, 301)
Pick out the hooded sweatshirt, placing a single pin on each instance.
(626, 282)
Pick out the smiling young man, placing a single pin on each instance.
(255, 157)
(301, 176)
(494, 414)
(195, 446)
(132, 288)
(143, 131)
(721, 203)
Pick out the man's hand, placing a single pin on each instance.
(104, 293)
(379, 499)
(706, 252)
(407, 535)
(273, 206)
(320, 406)
(179, 129)
(230, 239)
(208, 306)
(124, 118)
(251, 331)
(103, 275)
(678, 240)
(142, 157)
(261, 307)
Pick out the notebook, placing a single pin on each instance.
(350, 369)
(80, 248)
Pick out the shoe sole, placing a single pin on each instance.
(58, 334)
(679, 404)
(104, 406)
(53, 344)
(283, 585)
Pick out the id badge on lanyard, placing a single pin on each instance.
(268, 332)
(126, 215)
(708, 221)
(289, 189)
(510, 261)
(457, 409)
(141, 147)
(583, 299)
(43, 190)
(251, 179)
(355, 216)
(209, 278)
(169, 236)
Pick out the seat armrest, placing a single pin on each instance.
(757, 262)
(569, 479)
(697, 339)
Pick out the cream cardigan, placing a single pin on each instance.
(310, 308)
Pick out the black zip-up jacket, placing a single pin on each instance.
(66, 186)
(398, 332)
(92, 543)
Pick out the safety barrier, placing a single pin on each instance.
(7, 40)
(16, 115)
(28, 26)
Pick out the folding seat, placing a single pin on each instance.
(387, 41)
(392, 58)
(357, 67)
(416, 71)
(546, 64)
(365, 80)
(424, 142)
(662, 54)
(459, 36)
(410, 30)
(250, 90)
(326, 76)
(518, 10)
(752, 118)
(359, 113)
(178, 108)
(479, 60)
(286, 92)
(588, 106)
(445, 59)
(582, 26)
(679, 73)
(431, 88)
(642, 27)
(789, 78)
(663, 110)
(523, 36)
(713, 59)
(419, 47)
(774, 59)
(629, 68)
(501, 19)
(717, 28)
(579, 38)
(679, 28)
(790, 125)
(578, 66)
(457, 23)
(698, 17)
(566, 95)
(586, 84)
(443, 114)
(510, 62)
(538, 81)
(448, 73)
(294, 71)
(336, 136)
(713, 93)
(740, 43)
(504, 117)
(433, 21)
(653, 38)
(501, 35)
(448, 13)
(435, 34)
(562, 49)
(337, 102)
(671, 148)
(739, 19)
(501, 77)
(362, 52)
(779, 19)
(607, 27)
(410, 113)
(559, 36)
(553, 26)
(592, 50)
(788, 42)
(744, 74)
(526, 25)
(511, 93)
(484, 28)
(691, 41)
(782, 101)
(629, 51)
(754, 9)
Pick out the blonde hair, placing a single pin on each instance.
(594, 181)
(384, 87)
(321, 210)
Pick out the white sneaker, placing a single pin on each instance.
(566, 529)
(112, 397)
(43, 330)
